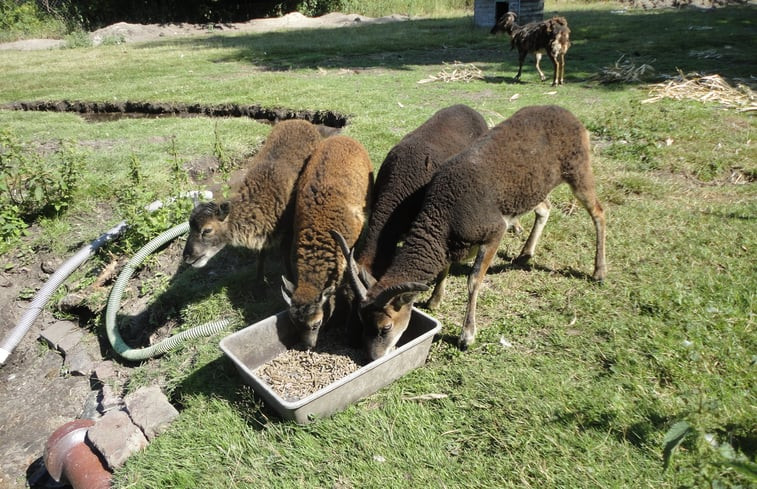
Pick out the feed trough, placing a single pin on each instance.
(263, 341)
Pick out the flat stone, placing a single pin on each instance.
(116, 438)
(109, 400)
(104, 371)
(150, 409)
(61, 335)
(78, 361)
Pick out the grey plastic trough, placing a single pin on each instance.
(259, 343)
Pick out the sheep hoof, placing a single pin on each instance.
(431, 304)
(522, 260)
(463, 343)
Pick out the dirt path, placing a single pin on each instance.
(129, 33)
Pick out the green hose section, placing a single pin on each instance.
(114, 303)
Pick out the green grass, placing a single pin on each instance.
(594, 375)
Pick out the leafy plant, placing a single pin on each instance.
(78, 39)
(32, 185)
(20, 19)
(724, 453)
(147, 213)
(219, 151)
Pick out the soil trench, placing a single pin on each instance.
(101, 111)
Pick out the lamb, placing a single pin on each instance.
(333, 193)
(469, 203)
(402, 178)
(259, 214)
(550, 36)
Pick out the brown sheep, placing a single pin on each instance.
(551, 36)
(402, 178)
(260, 212)
(333, 193)
(469, 204)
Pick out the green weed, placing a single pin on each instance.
(32, 185)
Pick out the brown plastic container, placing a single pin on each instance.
(257, 344)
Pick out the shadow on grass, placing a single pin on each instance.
(705, 41)
(506, 263)
(640, 434)
(219, 379)
(231, 272)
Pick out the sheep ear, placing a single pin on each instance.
(287, 289)
(326, 294)
(400, 295)
(223, 210)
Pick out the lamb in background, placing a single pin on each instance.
(333, 193)
(551, 36)
(260, 212)
(469, 204)
(402, 178)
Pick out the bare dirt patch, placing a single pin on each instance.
(123, 32)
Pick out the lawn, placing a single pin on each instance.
(570, 383)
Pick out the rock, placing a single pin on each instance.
(104, 371)
(78, 361)
(109, 400)
(62, 335)
(150, 409)
(116, 438)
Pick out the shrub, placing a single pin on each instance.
(33, 185)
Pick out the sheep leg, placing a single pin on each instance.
(542, 215)
(486, 253)
(521, 59)
(537, 55)
(556, 64)
(561, 59)
(259, 267)
(588, 199)
(439, 287)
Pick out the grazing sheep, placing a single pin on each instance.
(260, 212)
(333, 193)
(402, 179)
(551, 36)
(469, 204)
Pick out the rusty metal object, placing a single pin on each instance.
(69, 459)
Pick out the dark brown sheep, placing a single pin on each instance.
(402, 178)
(333, 193)
(260, 212)
(469, 204)
(551, 36)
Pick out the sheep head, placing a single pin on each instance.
(504, 23)
(308, 315)
(208, 232)
(385, 313)
(387, 316)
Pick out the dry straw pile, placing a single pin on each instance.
(457, 71)
(624, 71)
(711, 88)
